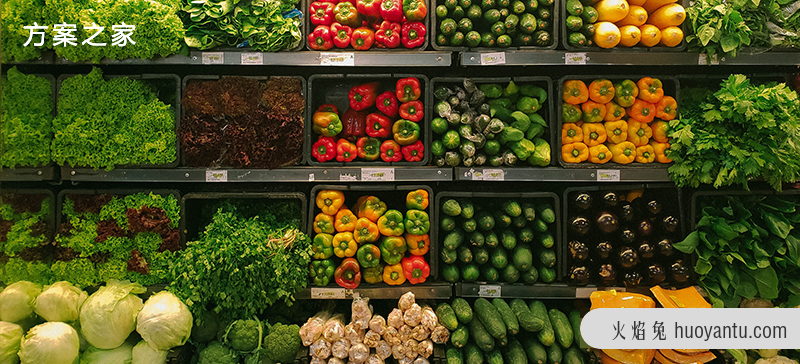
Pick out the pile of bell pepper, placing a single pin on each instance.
(370, 242)
(384, 126)
(623, 122)
(362, 24)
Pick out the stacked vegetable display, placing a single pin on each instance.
(360, 24)
(498, 239)
(63, 320)
(243, 122)
(609, 121)
(370, 240)
(488, 124)
(511, 332)
(23, 233)
(491, 23)
(625, 23)
(139, 131)
(26, 122)
(385, 126)
(625, 237)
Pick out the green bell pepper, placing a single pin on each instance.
(417, 222)
(521, 121)
(536, 92)
(541, 155)
(501, 102)
(523, 148)
(571, 113)
(321, 272)
(393, 248)
(491, 90)
(391, 223)
(373, 275)
(322, 246)
(535, 130)
(528, 105)
(406, 132)
(511, 89)
(369, 256)
(510, 134)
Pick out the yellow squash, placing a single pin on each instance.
(636, 16)
(606, 35)
(651, 35)
(671, 36)
(667, 16)
(630, 35)
(652, 5)
(612, 10)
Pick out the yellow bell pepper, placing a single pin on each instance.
(417, 200)
(645, 154)
(614, 112)
(623, 153)
(661, 151)
(329, 201)
(365, 231)
(614, 299)
(574, 152)
(571, 133)
(344, 246)
(660, 129)
(345, 220)
(639, 133)
(617, 131)
(323, 223)
(593, 134)
(393, 274)
(599, 154)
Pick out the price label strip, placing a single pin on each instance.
(608, 175)
(213, 58)
(489, 291)
(377, 174)
(253, 58)
(347, 177)
(575, 58)
(337, 59)
(216, 176)
(488, 59)
(488, 175)
(328, 294)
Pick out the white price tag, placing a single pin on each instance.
(213, 58)
(584, 292)
(702, 60)
(327, 293)
(493, 58)
(608, 175)
(337, 59)
(253, 58)
(489, 291)
(377, 174)
(574, 58)
(347, 177)
(488, 175)
(311, 177)
(216, 176)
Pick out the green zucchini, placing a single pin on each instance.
(490, 318)
(509, 318)
(561, 327)
(526, 319)
(546, 335)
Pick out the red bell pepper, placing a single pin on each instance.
(390, 151)
(379, 126)
(348, 274)
(362, 39)
(354, 124)
(369, 8)
(415, 268)
(341, 35)
(414, 152)
(324, 149)
(387, 104)
(363, 96)
(320, 39)
(369, 148)
(412, 110)
(321, 13)
(413, 34)
(392, 10)
(345, 151)
(388, 35)
(408, 89)
(415, 10)
(328, 108)
(347, 14)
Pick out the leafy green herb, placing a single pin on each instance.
(25, 127)
(717, 27)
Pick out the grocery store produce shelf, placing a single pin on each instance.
(538, 290)
(291, 174)
(554, 174)
(27, 174)
(421, 291)
(522, 58)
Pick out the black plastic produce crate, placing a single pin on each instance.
(554, 30)
(199, 78)
(670, 199)
(547, 111)
(671, 88)
(167, 88)
(334, 89)
(194, 222)
(395, 198)
(113, 193)
(50, 218)
(536, 198)
(637, 48)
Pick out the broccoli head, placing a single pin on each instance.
(283, 343)
(244, 335)
(216, 353)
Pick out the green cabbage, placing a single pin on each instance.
(109, 315)
(119, 355)
(10, 335)
(60, 302)
(51, 343)
(144, 354)
(16, 301)
(164, 322)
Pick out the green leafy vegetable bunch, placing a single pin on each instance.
(25, 124)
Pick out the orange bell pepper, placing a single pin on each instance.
(370, 207)
(575, 92)
(393, 274)
(345, 220)
(617, 131)
(639, 133)
(623, 153)
(660, 150)
(593, 134)
(366, 231)
(614, 112)
(601, 91)
(642, 111)
(418, 244)
(574, 152)
(650, 89)
(645, 154)
(323, 223)
(667, 108)
(599, 154)
(329, 201)
(660, 131)
(417, 200)
(593, 112)
(571, 133)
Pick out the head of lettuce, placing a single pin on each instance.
(109, 315)
(51, 343)
(165, 321)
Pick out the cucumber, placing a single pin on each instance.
(561, 327)
(485, 221)
(448, 224)
(531, 276)
(469, 225)
(462, 309)
(454, 355)
(464, 254)
(476, 239)
(480, 256)
(451, 273)
(546, 335)
(537, 354)
(449, 256)
(453, 240)
(575, 321)
(502, 342)
(573, 356)
(472, 355)
(529, 211)
(460, 337)
(501, 220)
(522, 258)
(480, 336)
(510, 274)
(546, 240)
(519, 222)
(526, 319)
(512, 208)
(509, 240)
(467, 209)
(490, 318)
(489, 274)
(499, 258)
(547, 275)
(494, 357)
(515, 353)
(539, 225)
(446, 316)
(491, 240)
(451, 208)
(554, 354)
(546, 213)
(470, 272)
(547, 257)
(525, 235)
(509, 318)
